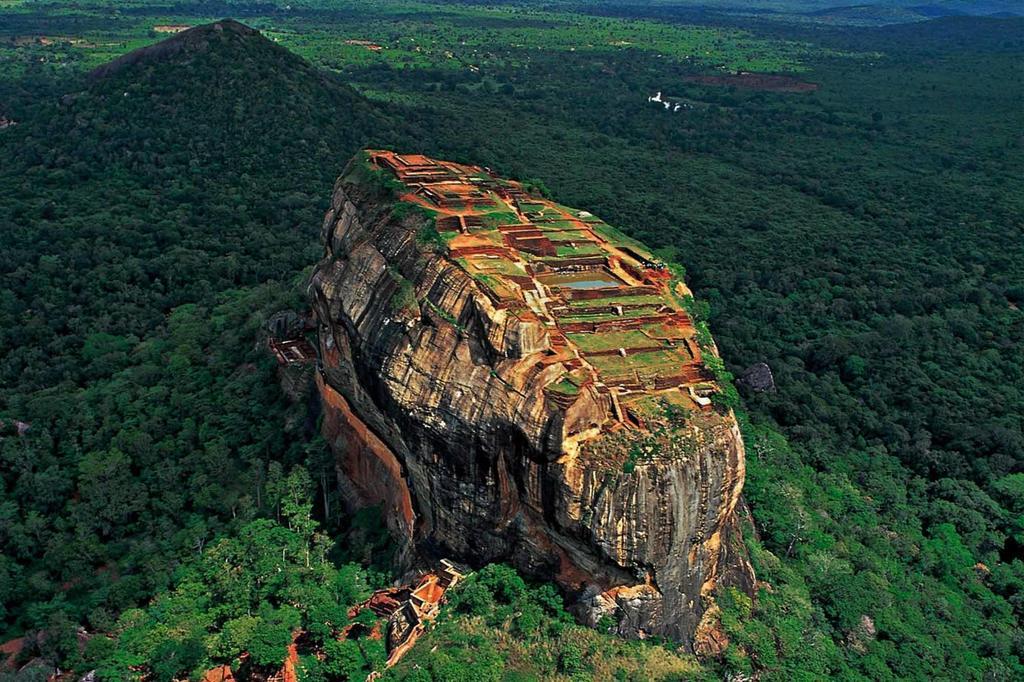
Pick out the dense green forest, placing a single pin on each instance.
(864, 239)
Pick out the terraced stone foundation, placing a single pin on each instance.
(514, 380)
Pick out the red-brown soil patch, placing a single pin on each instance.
(9, 653)
(758, 81)
(221, 673)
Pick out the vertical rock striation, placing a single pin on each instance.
(458, 401)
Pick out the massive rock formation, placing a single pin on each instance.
(512, 380)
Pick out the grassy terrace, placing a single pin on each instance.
(565, 386)
(546, 213)
(491, 266)
(492, 221)
(583, 248)
(630, 338)
(645, 299)
(656, 334)
(648, 365)
(558, 224)
(568, 234)
(605, 317)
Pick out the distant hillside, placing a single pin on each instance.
(900, 12)
(839, 12)
(955, 33)
(967, 7)
(227, 75)
(920, 7)
(871, 14)
(223, 143)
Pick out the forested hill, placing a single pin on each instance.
(143, 214)
(173, 172)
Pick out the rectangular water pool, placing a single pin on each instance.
(590, 279)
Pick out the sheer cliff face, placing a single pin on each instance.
(467, 394)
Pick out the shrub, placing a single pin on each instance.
(344, 660)
(570, 657)
(503, 582)
(527, 622)
(429, 236)
(475, 599)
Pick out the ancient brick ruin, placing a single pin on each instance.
(409, 608)
(615, 315)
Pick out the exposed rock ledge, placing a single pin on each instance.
(439, 404)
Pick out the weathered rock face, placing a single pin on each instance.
(435, 403)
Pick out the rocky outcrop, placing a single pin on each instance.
(437, 403)
(758, 378)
